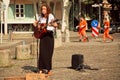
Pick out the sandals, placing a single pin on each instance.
(44, 71)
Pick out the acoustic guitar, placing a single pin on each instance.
(39, 31)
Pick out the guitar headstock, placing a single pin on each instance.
(56, 20)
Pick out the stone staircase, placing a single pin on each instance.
(16, 39)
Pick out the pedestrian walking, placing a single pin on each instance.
(107, 29)
(82, 30)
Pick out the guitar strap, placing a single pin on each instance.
(47, 20)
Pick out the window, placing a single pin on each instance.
(19, 10)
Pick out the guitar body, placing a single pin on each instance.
(39, 32)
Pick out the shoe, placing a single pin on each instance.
(49, 73)
(112, 40)
(84, 40)
(104, 41)
(45, 71)
(87, 39)
(40, 71)
(80, 40)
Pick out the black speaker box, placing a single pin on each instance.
(77, 61)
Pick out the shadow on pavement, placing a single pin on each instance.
(31, 68)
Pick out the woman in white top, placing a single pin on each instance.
(47, 39)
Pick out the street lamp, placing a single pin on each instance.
(99, 6)
(2, 8)
(80, 8)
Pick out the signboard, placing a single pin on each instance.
(94, 23)
(36, 76)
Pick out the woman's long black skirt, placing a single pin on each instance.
(46, 51)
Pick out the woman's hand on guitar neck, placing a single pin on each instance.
(53, 23)
(35, 23)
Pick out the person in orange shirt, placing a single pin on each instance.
(106, 29)
(82, 30)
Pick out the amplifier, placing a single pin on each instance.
(77, 61)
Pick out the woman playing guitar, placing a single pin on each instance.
(46, 24)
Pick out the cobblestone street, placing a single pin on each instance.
(97, 54)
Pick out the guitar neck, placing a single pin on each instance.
(44, 25)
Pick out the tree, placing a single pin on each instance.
(115, 10)
(114, 3)
(65, 19)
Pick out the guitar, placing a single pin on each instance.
(39, 31)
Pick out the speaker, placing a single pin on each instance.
(77, 61)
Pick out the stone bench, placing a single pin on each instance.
(5, 58)
(23, 52)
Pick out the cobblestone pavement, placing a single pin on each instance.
(97, 54)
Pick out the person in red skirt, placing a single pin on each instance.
(82, 30)
(107, 30)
